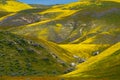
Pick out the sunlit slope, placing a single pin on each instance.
(87, 45)
(8, 7)
(112, 0)
(21, 18)
(53, 48)
(85, 20)
(93, 35)
(84, 50)
(13, 6)
(46, 16)
(23, 57)
(105, 65)
(81, 30)
(94, 20)
(95, 25)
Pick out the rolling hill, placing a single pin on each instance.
(24, 57)
(103, 66)
(93, 28)
(10, 7)
(13, 6)
(75, 41)
(82, 22)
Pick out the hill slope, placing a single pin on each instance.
(81, 23)
(105, 65)
(80, 35)
(10, 7)
(13, 6)
(87, 30)
(19, 56)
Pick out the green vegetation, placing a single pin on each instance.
(104, 66)
(21, 57)
(13, 5)
(76, 41)
(81, 23)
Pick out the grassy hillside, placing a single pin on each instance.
(13, 6)
(95, 29)
(74, 22)
(19, 19)
(22, 57)
(10, 7)
(73, 40)
(84, 50)
(103, 66)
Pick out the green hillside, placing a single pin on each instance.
(13, 6)
(23, 57)
(104, 66)
(75, 41)
(81, 23)
(10, 7)
(95, 29)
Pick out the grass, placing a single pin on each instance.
(93, 68)
(54, 48)
(64, 15)
(76, 29)
(27, 57)
(84, 50)
(14, 6)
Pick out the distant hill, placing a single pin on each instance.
(10, 6)
(40, 6)
(13, 6)
(79, 19)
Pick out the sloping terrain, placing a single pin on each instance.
(74, 22)
(20, 19)
(15, 13)
(10, 7)
(40, 6)
(103, 66)
(22, 57)
(71, 23)
(13, 6)
(79, 41)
